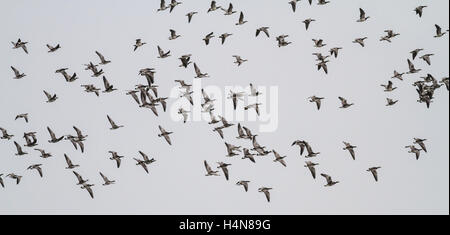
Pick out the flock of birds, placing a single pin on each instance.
(146, 96)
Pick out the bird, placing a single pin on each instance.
(17, 74)
(311, 153)
(219, 130)
(311, 166)
(88, 187)
(43, 153)
(53, 48)
(439, 32)
(214, 7)
(114, 126)
(421, 143)
(173, 4)
(248, 155)
(334, 51)
(322, 2)
(50, 98)
(18, 178)
(351, 149)
(116, 157)
(80, 179)
(330, 182)
(199, 73)
(374, 172)
(209, 171)
(185, 61)
(224, 36)
(427, 58)
(145, 162)
(20, 152)
(108, 87)
(239, 61)
(224, 167)
(345, 103)
(165, 134)
(253, 91)
(20, 44)
(1, 181)
(391, 102)
(208, 37)
(70, 165)
(243, 183)
(107, 181)
(389, 87)
(412, 68)
(53, 138)
(307, 22)
(266, 192)
(362, 16)
(323, 65)
(184, 113)
(360, 41)
(416, 52)
(293, 4)
(317, 100)
(173, 35)
(318, 43)
(301, 144)
(5, 135)
(103, 61)
(190, 15)
(416, 151)
(419, 10)
(139, 43)
(264, 30)
(279, 158)
(236, 96)
(36, 167)
(445, 81)
(163, 54)
(231, 150)
(163, 6)
(241, 19)
(258, 148)
(229, 10)
(398, 75)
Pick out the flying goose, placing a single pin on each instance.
(258, 148)
(108, 87)
(302, 144)
(185, 61)
(334, 51)
(362, 16)
(279, 158)
(345, 103)
(20, 152)
(24, 116)
(318, 43)
(18, 178)
(74, 77)
(239, 61)
(415, 53)
(116, 157)
(1, 181)
(253, 91)
(43, 153)
(360, 41)
(5, 135)
(266, 192)
(231, 150)
(219, 130)
(317, 100)
(144, 162)
(199, 73)
(225, 123)
(293, 4)
(311, 153)
(76, 142)
(322, 2)
(184, 113)
(107, 181)
(17, 74)
(254, 106)
(282, 41)
(427, 58)
(224, 36)
(330, 182)
(419, 10)
(80, 179)
(398, 75)
(421, 143)
(236, 96)
(88, 187)
(165, 134)
(416, 151)
(248, 155)
(224, 167)
(139, 43)
(190, 15)
(374, 172)
(241, 133)
(53, 48)
(229, 11)
(311, 166)
(173, 35)
(214, 7)
(173, 4)
(183, 84)
(53, 138)
(163, 54)
(243, 183)
(80, 135)
(30, 142)
(391, 34)
(351, 149)
(439, 32)
(208, 37)
(114, 126)
(209, 171)
(264, 30)
(36, 167)
(103, 61)
(389, 87)
(445, 81)
(323, 65)
(20, 44)
(162, 6)
(412, 69)
(70, 165)
(213, 119)
(391, 102)
(50, 98)
(241, 19)
(307, 22)
(90, 88)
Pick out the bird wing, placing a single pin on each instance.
(375, 174)
(438, 29)
(167, 137)
(111, 121)
(18, 147)
(225, 172)
(102, 58)
(267, 193)
(91, 193)
(352, 152)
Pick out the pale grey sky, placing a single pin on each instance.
(176, 183)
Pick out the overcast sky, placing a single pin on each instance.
(176, 183)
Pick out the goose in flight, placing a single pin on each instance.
(412, 68)
(236, 96)
(389, 87)
(317, 100)
(103, 61)
(108, 87)
(43, 153)
(173, 4)
(239, 61)
(114, 126)
(427, 58)
(224, 167)
(36, 167)
(165, 134)
(53, 48)
(323, 65)
(199, 73)
(282, 40)
(50, 98)
(76, 142)
(53, 138)
(24, 116)
(219, 130)
(261, 150)
(139, 43)
(279, 158)
(20, 152)
(243, 183)
(80, 179)
(311, 166)
(344, 103)
(419, 10)
(173, 35)
(30, 142)
(20, 44)
(391, 102)
(185, 61)
(318, 43)
(209, 171)
(231, 150)
(145, 162)
(264, 30)
(116, 157)
(334, 51)
(225, 123)
(293, 4)
(190, 15)
(398, 75)
(301, 144)
(184, 113)
(1, 181)
(421, 143)
(253, 91)
(360, 41)
(416, 151)
(311, 153)
(224, 36)
(208, 38)
(322, 2)
(330, 181)
(374, 172)
(307, 22)
(241, 133)
(248, 155)
(107, 181)
(5, 135)
(80, 135)
(184, 85)
(88, 187)
(70, 165)
(163, 54)
(241, 19)
(17, 74)
(229, 11)
(415, 53)
(163, 6)
(362, 16)
(439, 32)
(253, 106)
(74, 77)
(351, 149)
(446, 82)
(266, 192)
(90, 88)
(214, 7)
(18, 178)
